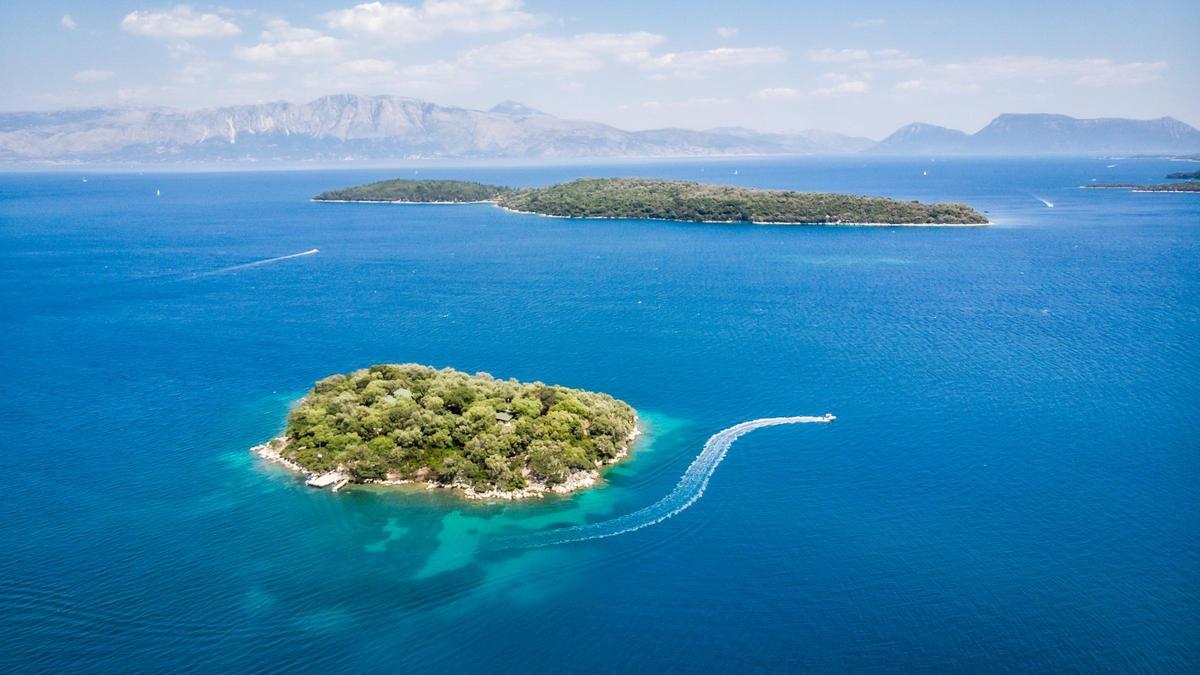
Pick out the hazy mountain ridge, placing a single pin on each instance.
(1038, 134)
(356, 128)
(346, 127)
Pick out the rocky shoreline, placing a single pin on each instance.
(272, 451)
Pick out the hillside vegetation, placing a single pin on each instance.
(683, 200)
(403, 190)
(641, 198)
(413, 422)
(1185, 186)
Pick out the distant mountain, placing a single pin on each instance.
(919, 138)
(1040, 134)
(514, 108)
(349, 128)
(803, 142)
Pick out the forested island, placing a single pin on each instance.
(394, 424)
(1184, 175)
(416, 192)
(645, 198)
(1186, 186)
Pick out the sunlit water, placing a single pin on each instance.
(1013, 480)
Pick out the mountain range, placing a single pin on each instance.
(361, 128)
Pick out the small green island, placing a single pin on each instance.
(645, 198)
(1186, 186)
(396, 424)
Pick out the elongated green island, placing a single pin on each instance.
(646, 198)
(394, 424)
(1186, 186)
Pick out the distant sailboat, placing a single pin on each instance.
(158, 193)
(924, 173)
(85, 179)
(735, 172)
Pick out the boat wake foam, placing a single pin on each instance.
(689, 489)
(256, 263)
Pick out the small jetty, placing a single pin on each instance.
(336, 480)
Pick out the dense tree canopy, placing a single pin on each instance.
(415, 422)
(683, 200)
(670, 200)
(402, 190)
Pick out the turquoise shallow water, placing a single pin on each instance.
(1012, 481)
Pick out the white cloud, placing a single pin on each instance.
(726, 31)
(369, 67)
(409, 23)
(178, 22)
(829, 55)
(847, 87)
(68, 23)
(250, 77)
(587, 51)
(284, 43)
(697, 63)
(592, 51)
(771, 93)
(972, 75)
(91, 76)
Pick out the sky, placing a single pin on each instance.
(863, 68)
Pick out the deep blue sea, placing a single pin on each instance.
(1012, 483)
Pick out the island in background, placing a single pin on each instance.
(644, 198)
(1186, 186)
(397, 424)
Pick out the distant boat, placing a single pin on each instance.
(735, 172)
(85, 179)
(1110, 166)
(924, 173)
(158, 193)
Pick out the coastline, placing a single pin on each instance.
(271, 451)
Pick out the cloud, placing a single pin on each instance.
(697, 63)
(369, 67)
(726, 31)
(178, 22)
(829, 55)
(587, 51)
(91, 76)
(284, 43)
(409, 23)
(974, 74)
(866, 59)
(847, 87)
(68, 23)
(867, 23)
(593, 51)
(771, 93)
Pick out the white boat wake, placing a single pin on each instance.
(256, 263)
(689, 489)
(1049, 204)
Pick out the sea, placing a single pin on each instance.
(1012, 481)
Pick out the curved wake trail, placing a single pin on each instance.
(256, 263)
(1049, 204)
(689, 489)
